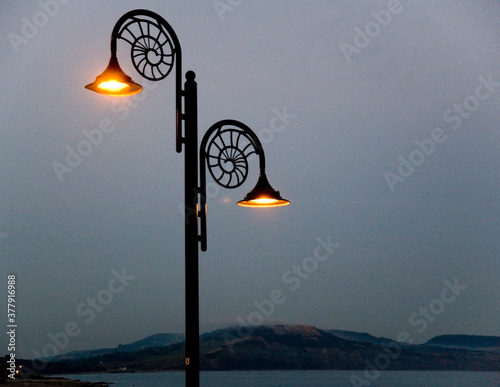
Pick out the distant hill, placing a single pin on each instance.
(481, 343)
(305, 347)
(285, 347)
(359, 337)
(153, 341)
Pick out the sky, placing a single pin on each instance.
(379, 121)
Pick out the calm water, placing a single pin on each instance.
(301, 378)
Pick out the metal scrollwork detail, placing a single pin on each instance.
(152, 49)
(227, 156)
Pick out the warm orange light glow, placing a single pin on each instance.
(263, 195)
(112, 86)
(263, 202)
(114, 82)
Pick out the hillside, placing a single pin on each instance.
(359, 337)
(153, 341)
(286, 347)
(300, 347)
(480, 343)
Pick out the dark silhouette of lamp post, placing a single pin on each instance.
(225, 147)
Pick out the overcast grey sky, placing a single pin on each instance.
(379, 121)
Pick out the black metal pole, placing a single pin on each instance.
(192, 360)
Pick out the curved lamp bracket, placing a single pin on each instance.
(154, 49)
(226, 149)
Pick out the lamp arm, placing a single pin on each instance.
(225, 149)
(150, 34)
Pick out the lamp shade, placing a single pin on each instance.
(114, 82)
(263, 195)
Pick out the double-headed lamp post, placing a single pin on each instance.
(224, 149)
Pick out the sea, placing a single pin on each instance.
(300, 379)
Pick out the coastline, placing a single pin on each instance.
(60, 382)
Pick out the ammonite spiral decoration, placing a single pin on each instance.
(152, 49)
(227, 156)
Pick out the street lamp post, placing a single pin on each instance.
(224, 150)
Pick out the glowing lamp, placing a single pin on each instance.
(263, 195)
(114, 82)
